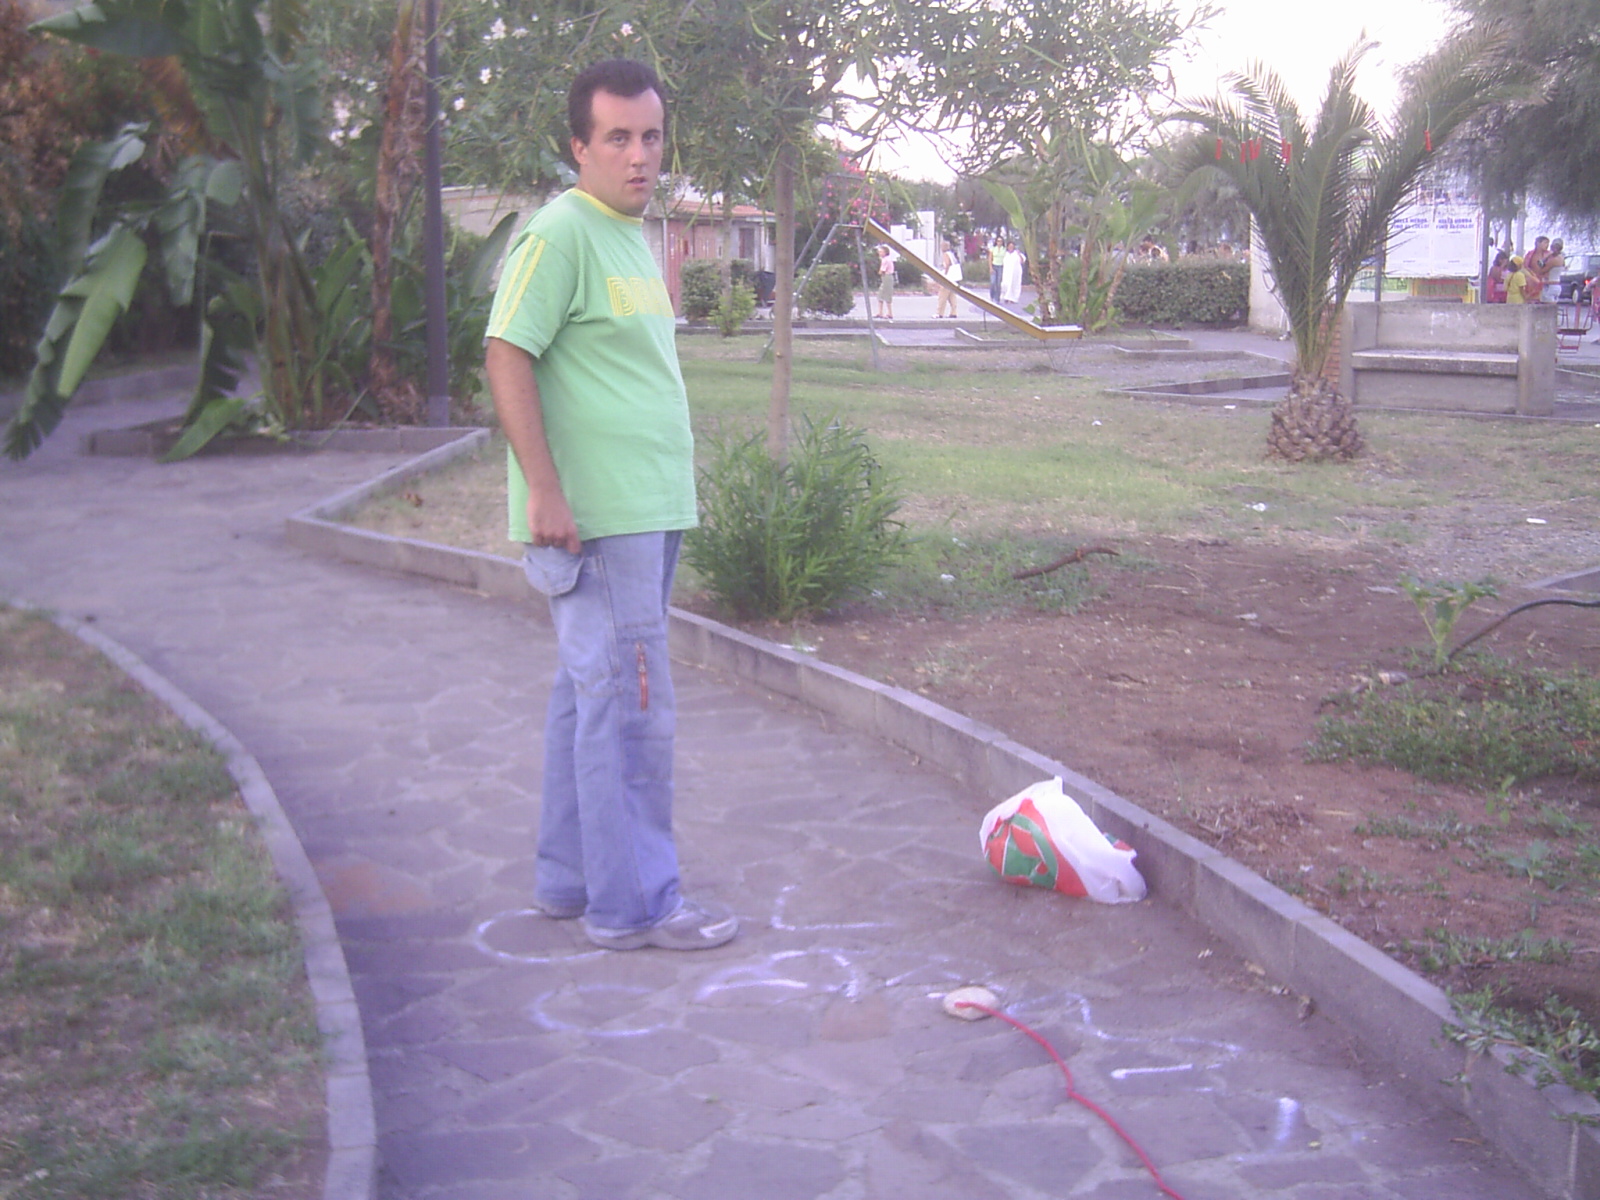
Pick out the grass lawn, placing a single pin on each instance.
(157, 1037)
(984, 452)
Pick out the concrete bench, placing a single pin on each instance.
(1493, 358)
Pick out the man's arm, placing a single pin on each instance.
(516, 402)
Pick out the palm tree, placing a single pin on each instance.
(1321, 196)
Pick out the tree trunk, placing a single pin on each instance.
(399, 159)
(1314, 422)
(782, 306)
(727, 246)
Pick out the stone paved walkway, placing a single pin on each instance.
(399, 722)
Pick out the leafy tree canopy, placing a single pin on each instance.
(1548, 140)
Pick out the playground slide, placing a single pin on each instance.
(1055, 333)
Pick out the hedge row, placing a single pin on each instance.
(1187, 292)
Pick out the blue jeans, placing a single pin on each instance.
(605, 818)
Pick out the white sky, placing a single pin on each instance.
(1300, 40)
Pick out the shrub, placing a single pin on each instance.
(781, 540)
(1191, 291)
(732, 312)
(831, 290)
(28, 282)
(700, 288)
(907, 274)
(975, 270)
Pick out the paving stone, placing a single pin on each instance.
(494, 1061)
(1179, 1129)
(1278, 1124)
(742, 1170)
(669, 1121)
(660, 1051)
(910, 1162)
(1283, 1173)
(1050, 1157)
(751, 1085)
(418, 1160)
(785, 1029)
(610, 1179)
(567, 1088)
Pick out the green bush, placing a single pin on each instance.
(782, 540)
(732, 312)
(831, 290)
(908, 275)
(28, 282)
(700, 288)
(1191, 291)
(975, 270)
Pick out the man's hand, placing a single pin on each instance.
(550, 520)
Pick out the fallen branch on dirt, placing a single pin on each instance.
(1078, 555)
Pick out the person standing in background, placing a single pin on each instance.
(950, 268)
(1517, 282)
(1533, 263)
(1016, 264)
(886, 261)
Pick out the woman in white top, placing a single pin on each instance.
(1011, 282)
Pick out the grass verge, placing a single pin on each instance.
(157, 1036)
(1484, 722)
(983, 453)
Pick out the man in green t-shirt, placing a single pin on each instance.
(582, 363)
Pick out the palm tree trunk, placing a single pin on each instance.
(399, 154)
(1314, 422)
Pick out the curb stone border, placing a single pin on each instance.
(352, 1170)
(1552, 1134)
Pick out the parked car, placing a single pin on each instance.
(1578, 280)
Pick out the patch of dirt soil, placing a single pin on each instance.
(1193, 689)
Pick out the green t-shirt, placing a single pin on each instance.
(581, 292)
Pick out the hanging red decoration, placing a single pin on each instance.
(1288, 150)
(1427, 140)
(1219, 149)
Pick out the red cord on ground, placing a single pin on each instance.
(1074, 1094)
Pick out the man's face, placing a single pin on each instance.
(619, 163)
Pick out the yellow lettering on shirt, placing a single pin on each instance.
(632, 296)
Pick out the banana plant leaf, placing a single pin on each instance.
(105, 289)
(211, 420)
(86, 179)
(480, 274)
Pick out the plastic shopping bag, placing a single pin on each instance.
(1042, 838)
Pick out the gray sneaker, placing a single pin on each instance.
(690, 926)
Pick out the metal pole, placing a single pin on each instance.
(433, 234)
(866, 295)
(1484, 257)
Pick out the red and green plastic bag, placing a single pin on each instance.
(1041, 837)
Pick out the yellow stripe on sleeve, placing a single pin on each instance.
(510, 298)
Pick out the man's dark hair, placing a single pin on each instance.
(623, 77)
